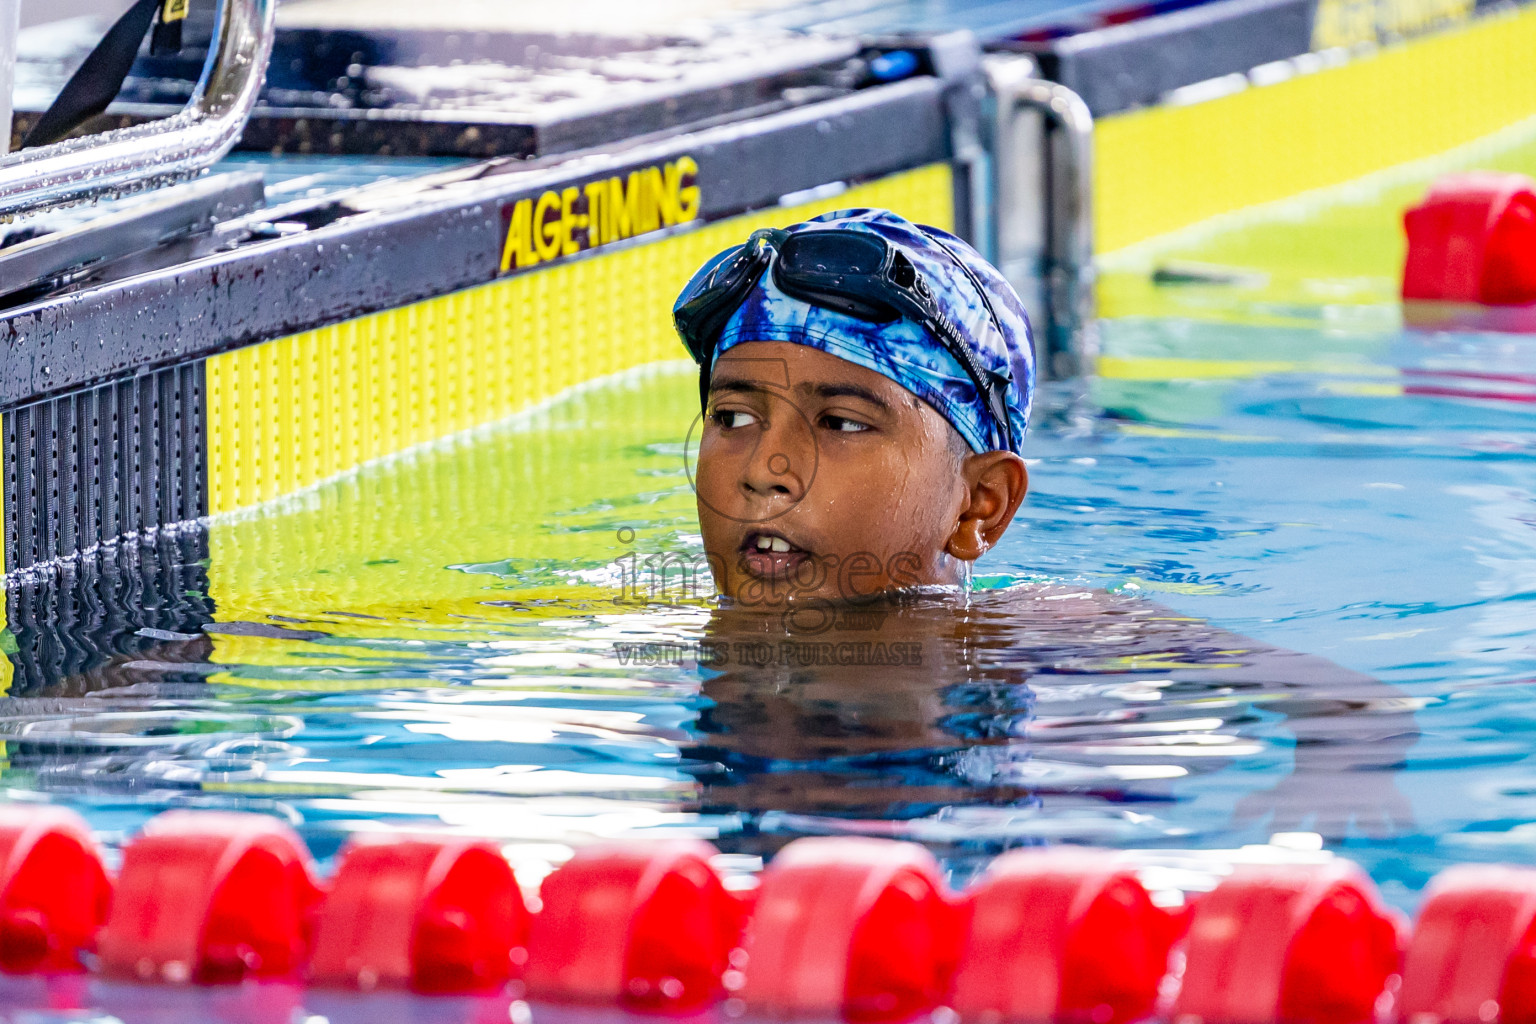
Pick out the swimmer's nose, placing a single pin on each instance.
(778, 466)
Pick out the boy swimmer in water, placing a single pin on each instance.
(866, 385)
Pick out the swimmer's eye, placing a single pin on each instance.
(730, 419)
(843, 425)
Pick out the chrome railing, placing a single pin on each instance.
(159, 152)
(1043, 152)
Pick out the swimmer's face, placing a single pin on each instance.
(820, 479)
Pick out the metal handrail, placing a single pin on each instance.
(1071, 338)
(159, 152)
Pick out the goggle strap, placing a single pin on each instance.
(982, 378)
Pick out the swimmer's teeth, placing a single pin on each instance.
(780, 544)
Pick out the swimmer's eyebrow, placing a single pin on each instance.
(740, 384)
(846, 391)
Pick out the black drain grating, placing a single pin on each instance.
(93, 465)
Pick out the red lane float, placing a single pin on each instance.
(53, 889)
(435, 915)
(210, 896)
(1304, 944)
(1473, 239)
(646, 925)
(860, 927)
(1471, 959)
(1064, 935)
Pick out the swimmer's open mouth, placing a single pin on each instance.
(768, 554)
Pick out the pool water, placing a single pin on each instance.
(1274, 587)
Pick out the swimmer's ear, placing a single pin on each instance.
(995, 484)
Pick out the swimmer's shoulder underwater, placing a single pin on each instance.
(866, 385)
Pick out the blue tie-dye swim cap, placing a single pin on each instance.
(976, 298)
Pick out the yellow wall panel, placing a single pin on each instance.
(289, 413)
(1163, 168)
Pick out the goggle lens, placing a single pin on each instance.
(716, 291)
(826, 252)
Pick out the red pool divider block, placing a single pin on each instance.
(210, 896)
(1471, 959)
(434, 915)
(1303, 944)
(1061, 935)
(851, 926)
(1473, 239)
(53, 889)
(647, 925)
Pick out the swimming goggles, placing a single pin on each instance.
(855, 273)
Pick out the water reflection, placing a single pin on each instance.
(1061, 711)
